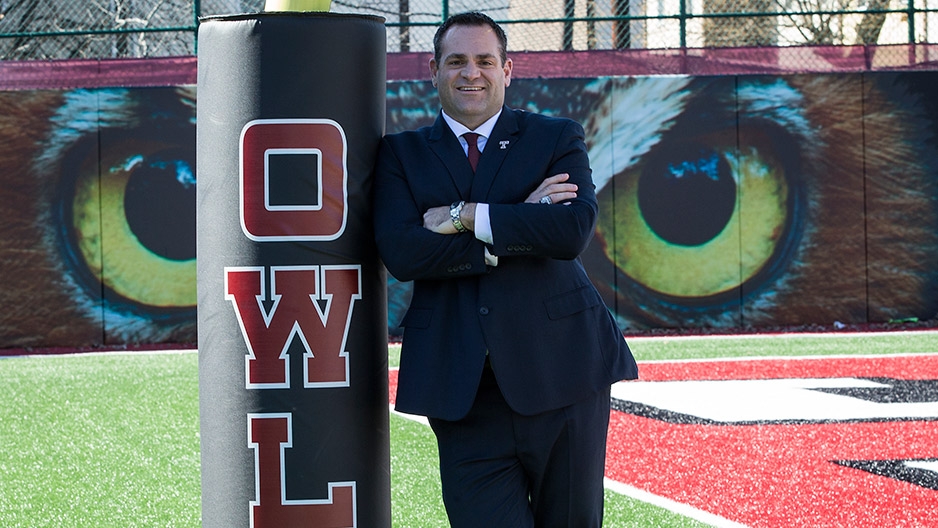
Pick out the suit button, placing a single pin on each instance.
(484, 310)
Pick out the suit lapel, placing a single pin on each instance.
(447, 148)
(496, 150)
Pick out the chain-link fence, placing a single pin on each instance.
(64, 29)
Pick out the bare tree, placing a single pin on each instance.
(872, 23)
(64, 29)
(793, 22)
(829, 21)
(740, 23)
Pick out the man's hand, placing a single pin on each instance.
(554, 189)
(438, 220)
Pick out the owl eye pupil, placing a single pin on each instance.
(687, 202)
(159, 204)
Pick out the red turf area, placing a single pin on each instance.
(779, 474)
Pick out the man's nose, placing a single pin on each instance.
(471, 71)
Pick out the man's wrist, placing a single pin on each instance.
(468, 216)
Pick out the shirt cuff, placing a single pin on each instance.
(483, 231)
(483, 227)
(490, 259)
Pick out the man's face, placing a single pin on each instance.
(470, 77)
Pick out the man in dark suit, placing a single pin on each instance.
(508, 347)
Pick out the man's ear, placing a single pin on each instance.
(507, 68)
(433, 70)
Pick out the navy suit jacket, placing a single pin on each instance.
(550, 339)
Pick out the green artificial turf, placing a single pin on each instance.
(807, 344)
(99, 441)
(108, 440)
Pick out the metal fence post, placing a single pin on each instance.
(911, 16)
(683, 24)
(196, 13)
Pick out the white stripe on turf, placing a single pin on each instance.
(670, 505)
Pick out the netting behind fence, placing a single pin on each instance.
(65, 29)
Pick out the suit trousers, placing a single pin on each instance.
(501, 469)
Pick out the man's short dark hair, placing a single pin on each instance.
(472, 18)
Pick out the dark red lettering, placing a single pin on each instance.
(325, 220)
(269, 435)
(312, 303)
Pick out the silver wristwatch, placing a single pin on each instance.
(454, 211)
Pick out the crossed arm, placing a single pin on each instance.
(437, 219)
(416, 238)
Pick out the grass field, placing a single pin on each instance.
(112, 439)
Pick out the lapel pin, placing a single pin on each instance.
(503, 144)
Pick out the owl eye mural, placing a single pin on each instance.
(724, 202)
(750, 201)
(106, 227)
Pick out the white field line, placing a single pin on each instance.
(670, 505)
(107, 353)
(782, 335)
(789, 358)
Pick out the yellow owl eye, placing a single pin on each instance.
(133, 225)
(697, 222)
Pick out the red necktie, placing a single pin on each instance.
(473, 151)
